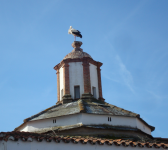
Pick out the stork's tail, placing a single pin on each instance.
(80, 36)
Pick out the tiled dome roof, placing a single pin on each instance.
(77, 52)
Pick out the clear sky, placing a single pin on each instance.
(130, 38)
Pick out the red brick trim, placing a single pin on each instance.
(58, 85)
(99, 82)
(90, 60)
(86, 77)
(66, 78)
(86, 74)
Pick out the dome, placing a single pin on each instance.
(77, 52)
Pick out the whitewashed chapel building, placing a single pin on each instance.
(81, 115)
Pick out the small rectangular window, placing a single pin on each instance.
(94, 91)
(62, 93)
(76, 92)
(54, 121)
(109, 119)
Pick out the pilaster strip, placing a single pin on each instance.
(66, 78)
(58, 86)
(86, 77)
(99, 81)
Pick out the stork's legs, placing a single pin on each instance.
(74, 38)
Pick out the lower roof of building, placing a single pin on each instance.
(94, 129)
(83, 106)
(30, 136)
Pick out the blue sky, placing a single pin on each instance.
(128, 36)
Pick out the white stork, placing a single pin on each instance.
(74, 32)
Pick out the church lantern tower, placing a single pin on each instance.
(78, 76)
(81, 109)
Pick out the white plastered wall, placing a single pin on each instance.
(46, 123)
(94, 79)
(87, 119)
(143, 127)
(103, 119)
(61, 81)
(24, 127)
(76, 77)
(115, 121)
(44, 145)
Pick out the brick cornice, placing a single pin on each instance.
(88, 59)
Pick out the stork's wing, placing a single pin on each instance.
(78, 31)
(73, 30)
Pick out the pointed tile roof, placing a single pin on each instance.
(83, 106)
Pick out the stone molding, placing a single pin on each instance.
(66, 99)
(77, 44)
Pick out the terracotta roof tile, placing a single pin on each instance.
(110, 142)
(28, 136)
